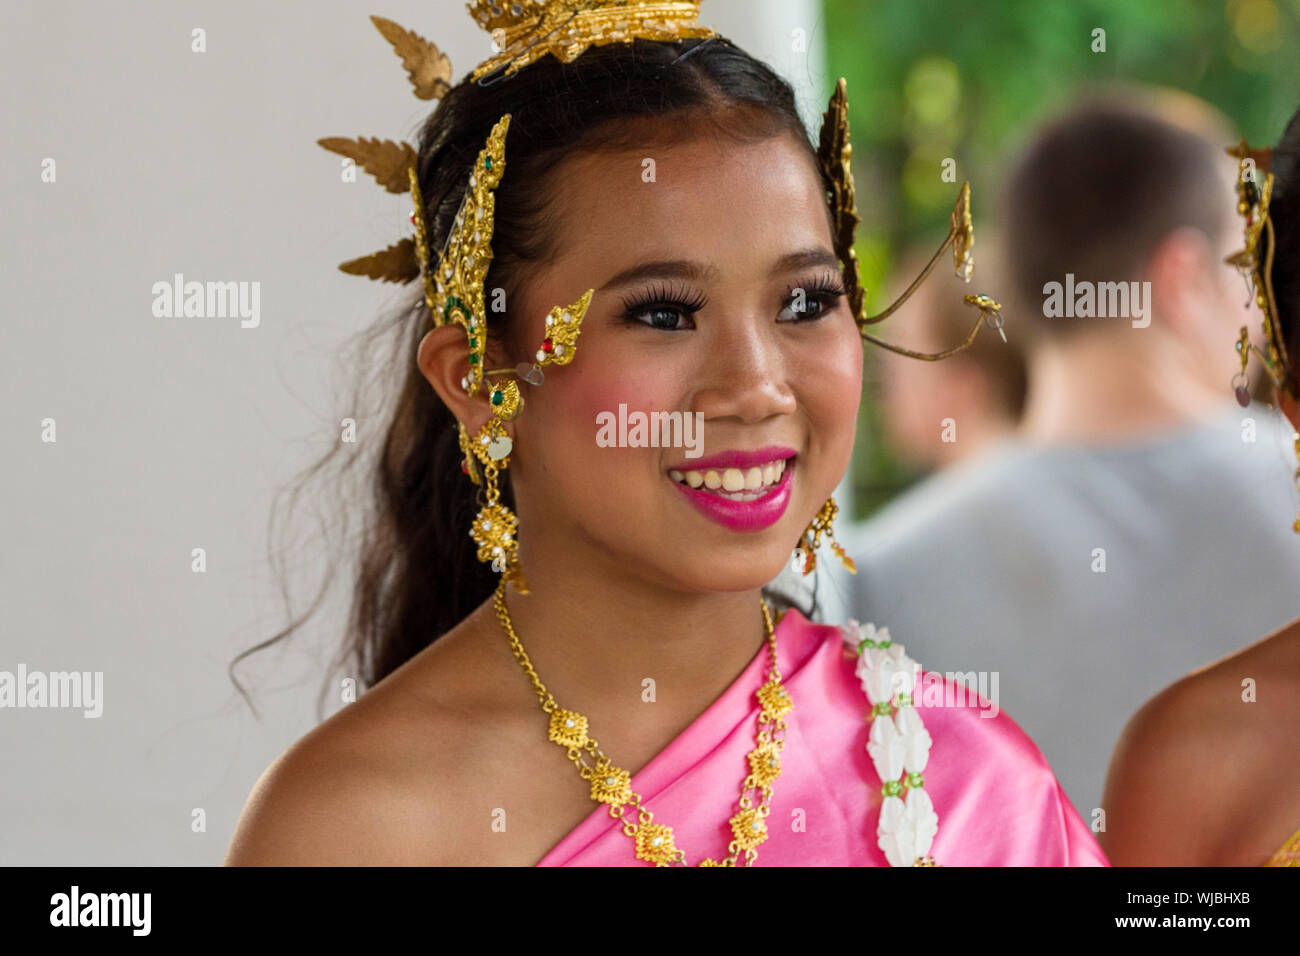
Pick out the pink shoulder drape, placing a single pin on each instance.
(997, 800)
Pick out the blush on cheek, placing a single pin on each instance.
(595, 407)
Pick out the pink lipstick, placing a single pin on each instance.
(755, 514)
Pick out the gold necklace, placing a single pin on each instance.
(612, 786)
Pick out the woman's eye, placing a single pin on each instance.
(808, 306)
(664, 318)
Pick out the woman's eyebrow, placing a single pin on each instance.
(699, 272)
(662, 269)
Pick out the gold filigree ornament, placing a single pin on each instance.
(1253, 200)
(612, 785)
(453, 284)
(527, 30)
(1253, 197)
(835, 151)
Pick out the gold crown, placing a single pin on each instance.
(524, 31)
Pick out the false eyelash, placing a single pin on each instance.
(662, 296)
(826, 284)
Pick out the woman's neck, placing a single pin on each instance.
(608, 644)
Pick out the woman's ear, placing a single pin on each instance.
(443, 359)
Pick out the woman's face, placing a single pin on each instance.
(696, 253)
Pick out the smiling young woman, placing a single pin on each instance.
(728, 733)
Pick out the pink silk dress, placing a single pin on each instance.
(997, 800)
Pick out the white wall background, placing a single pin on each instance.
(174, 434)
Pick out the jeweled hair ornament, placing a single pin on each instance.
(524, 31)
(834, 152)
(453, 285)
(1252, 205)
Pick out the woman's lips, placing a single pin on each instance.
(755, 515)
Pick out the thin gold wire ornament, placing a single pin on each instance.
(835, 151)
(1253, 200)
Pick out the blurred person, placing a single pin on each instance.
(939, 413)
(1102, 553)
(1205, 773)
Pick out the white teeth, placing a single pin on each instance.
(735, 483)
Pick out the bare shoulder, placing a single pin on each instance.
(1174, 792)
(386, 780)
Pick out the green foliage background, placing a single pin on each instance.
(929, 79)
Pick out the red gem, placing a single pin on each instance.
(412, 217)
(464, 469)
(547, 347)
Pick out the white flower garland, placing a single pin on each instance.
(898, 743)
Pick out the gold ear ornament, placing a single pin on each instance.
(1253, 200)
(835, 151)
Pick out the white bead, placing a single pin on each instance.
(559, 350)
(656, 841)
(566, 317)
(568, 723)
(541, 356)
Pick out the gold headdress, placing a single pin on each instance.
(527, 30)
(1252, 204)
(835, 151)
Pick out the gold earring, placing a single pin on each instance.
(495, 526)
(1296, 526)
(812, 536)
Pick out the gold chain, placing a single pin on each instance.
(611, 785)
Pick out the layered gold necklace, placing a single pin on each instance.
(612, 785)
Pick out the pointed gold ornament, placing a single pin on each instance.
(428, 67)
(834, 154)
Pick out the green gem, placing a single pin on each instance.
(915, 780)
(883, 708)
(487, 162)
(473, 359)
(473, 342)
(498, 398)
(866, 642)
(892, 789)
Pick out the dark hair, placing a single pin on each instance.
(1095, 192)
(417, 574)
(1284, 210)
